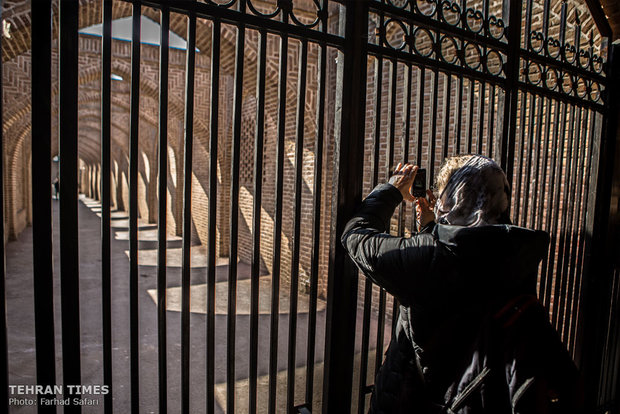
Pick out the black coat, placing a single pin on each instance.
(457, 348)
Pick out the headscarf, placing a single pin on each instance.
(475, 195)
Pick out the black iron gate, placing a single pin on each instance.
(523, 82)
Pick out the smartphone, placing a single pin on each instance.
(418, 188)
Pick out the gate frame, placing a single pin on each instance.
(599, 247)
(601, 251)
(343, 275)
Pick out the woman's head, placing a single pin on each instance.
(473, 191)
(449, 166)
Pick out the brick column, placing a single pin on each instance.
(224, 160)
(152, 189)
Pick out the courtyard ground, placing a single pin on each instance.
(20, 309)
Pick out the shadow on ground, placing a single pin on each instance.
(21, 341)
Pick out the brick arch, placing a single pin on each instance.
(92, 149)
(90, 124)
(23, 125)
(89, 74)
(93, 120)
(17, 188)
(90, 12)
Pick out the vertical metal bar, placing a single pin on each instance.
(555, 106)
(545, 28)
(528, 25)
(162, 186)
(43, 269)
(388, 169)
(316, 221)
(528, 159)
(577, 34)
(402, 212)
(294, 285)
(459, 117)
(485, 24)
(375, 180)
(518, 153)
(568, 211)
(470, 113)
(545, 164)
(4, 362)
(393, 82)
(212, 217)
(106, 191)
(350, 108)
(562, 35)
(68, 148)
(390, 151)
(433, 129)
(481, 109)
(188, 146)
(277, 227)
(133, 209)
(231, 326)
(560, 285)
(558, 135)
(256, 219)
(491, 122)
(512, 14)
(377, 123)
(380, 331)
(361, 397)
(446, 114)
(420, 129)
(577, 219)
(536, 147)
(406, 128)
(581, 259)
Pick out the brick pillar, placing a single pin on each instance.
(113, 185)
(152, 189)
(94, 181)
(28, 189)
(98, 182)
(224, 160)
(177, 210)
(120, 202)
(83, 179)
(90, 181)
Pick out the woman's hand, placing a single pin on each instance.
(403, 178)
(424, 209)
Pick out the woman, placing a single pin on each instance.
(471, 337)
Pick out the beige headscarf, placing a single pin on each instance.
(476, 194)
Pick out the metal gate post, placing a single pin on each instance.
(41, 141)
(514, 11)
(68, 153)
(349, 146)
(600, 252)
